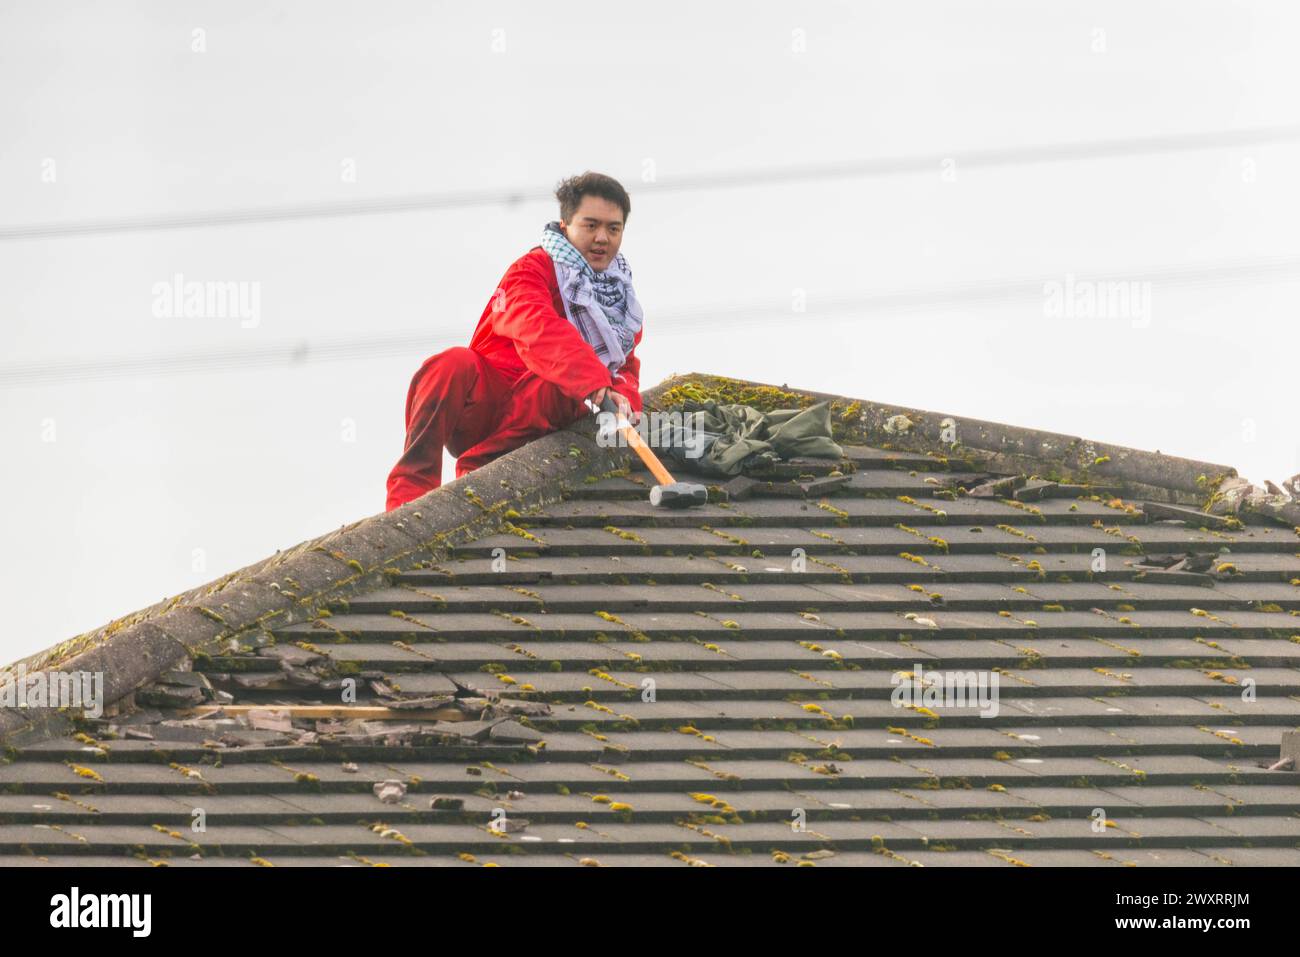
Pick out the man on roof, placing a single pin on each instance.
(562, 326)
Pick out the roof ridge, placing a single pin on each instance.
(993, 446)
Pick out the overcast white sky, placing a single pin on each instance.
(118, 492)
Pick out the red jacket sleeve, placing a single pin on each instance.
(547, 343)
(627, 380)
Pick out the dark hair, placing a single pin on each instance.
(571, 191)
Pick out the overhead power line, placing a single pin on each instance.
(732, 179)
(416, 344)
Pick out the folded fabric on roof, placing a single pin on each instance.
(718, 439)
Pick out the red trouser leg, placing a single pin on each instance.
(454, 401)
(533, 408)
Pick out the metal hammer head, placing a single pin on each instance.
(678, 495)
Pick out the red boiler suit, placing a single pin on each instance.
(525, 373)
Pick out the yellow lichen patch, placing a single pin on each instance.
(1118, 647)
(690, 729)
(721, 775)
(1119, 676)
(714, 802)
(88, 773)
(826, 506)
(1219, 676)
(1025, 507)
(721, 591)
(518, 620)
(1223, 735)
(807, 677)
(734, 539)
(1004, 856)
(521, 532)
(391, 833)
(687, 859)
(71, 800)
(604, 676)
(904, 733)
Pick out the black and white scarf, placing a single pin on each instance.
(601, 305)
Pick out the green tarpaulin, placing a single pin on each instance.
(730, 440)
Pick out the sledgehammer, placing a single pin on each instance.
(669, 493)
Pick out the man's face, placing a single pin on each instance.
(596, 231)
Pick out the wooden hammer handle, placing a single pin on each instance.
(634, 439)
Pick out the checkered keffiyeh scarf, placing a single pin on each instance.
(602, 305)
